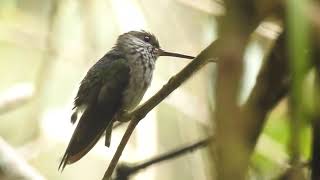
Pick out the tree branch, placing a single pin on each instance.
(231, 148)
(14, 167)
(125, 171)
(144, 109)
(271, 86)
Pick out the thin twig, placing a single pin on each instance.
(124, 171)
(133, 123)
(143, 110)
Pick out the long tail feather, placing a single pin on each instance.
(91, 126)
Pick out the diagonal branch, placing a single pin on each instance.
(168, 88)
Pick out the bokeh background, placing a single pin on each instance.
(47, 46)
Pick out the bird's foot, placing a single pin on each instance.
(124, 116)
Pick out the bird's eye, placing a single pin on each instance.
(146, 39)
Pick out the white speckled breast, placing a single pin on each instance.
(141, 70)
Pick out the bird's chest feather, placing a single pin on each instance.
(139, 80)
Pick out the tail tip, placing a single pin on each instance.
(63, 163)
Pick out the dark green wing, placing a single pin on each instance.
(102, 100)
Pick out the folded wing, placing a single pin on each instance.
(102, 100)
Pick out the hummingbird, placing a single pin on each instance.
(113, 85)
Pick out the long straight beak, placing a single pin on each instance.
(172, 54)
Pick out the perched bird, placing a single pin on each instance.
(115, 84)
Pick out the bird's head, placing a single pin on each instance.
(144, 43)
